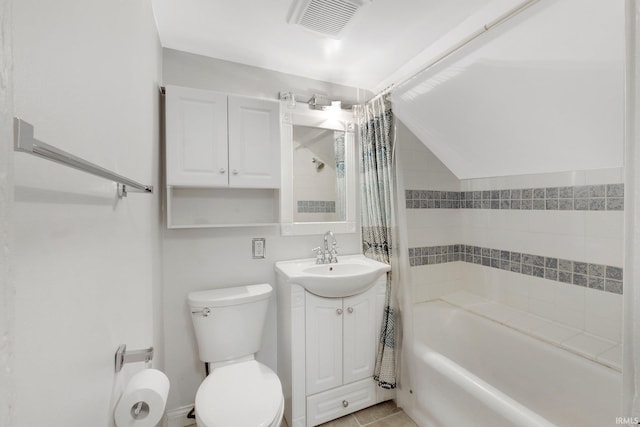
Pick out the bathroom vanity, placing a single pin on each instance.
(327, 345)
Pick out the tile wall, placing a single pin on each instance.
(581, 198)
(548, 244)
(595, 276)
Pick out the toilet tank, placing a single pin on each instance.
(228, 322)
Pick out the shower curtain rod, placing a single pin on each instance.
(501, 19)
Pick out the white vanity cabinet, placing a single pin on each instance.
(326, 352)
(219, 140)
(340, 336)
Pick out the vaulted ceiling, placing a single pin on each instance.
(383, 36)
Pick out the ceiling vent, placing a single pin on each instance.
(325, 17)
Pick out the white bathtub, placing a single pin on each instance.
(471, 371)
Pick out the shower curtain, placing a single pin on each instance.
(338, 145)
(377, 196)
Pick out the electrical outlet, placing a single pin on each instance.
(258, 247)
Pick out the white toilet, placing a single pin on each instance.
(239, 391)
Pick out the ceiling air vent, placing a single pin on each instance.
(326, 17)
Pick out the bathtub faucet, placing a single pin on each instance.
(326, 255)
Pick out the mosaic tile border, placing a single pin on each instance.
(603, 197)
(595, 276)
(316, 206)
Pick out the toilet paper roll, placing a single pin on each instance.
(143, 401)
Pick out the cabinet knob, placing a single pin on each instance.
(235, 171)
(222, 170)
(339, 311)
(345, 403)
(350, 310)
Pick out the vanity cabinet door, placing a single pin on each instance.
(359, 329)
(196, 132)
(323, 343)
(254, 143)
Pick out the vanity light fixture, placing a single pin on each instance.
(289, 97)
(315, 102)
(319, 102)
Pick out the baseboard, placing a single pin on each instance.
(383, 394)
(178, 417)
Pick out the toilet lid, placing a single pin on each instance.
(241, 394)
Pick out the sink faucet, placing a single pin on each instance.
(327, 255)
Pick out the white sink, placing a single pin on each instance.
(351, 275)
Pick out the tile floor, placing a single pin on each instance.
(385, 414)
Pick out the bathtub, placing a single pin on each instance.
(471, 371)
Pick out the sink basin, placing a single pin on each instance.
(353, 274)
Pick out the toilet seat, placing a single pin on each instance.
(244, 394)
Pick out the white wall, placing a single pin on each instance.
(569, 81)
(7, 288)
(86, 264)
(201, 259)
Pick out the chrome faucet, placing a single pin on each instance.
(327, 255)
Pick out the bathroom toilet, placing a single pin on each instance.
(239, 391)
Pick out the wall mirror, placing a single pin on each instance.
(318, 191)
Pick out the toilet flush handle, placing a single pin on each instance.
(205, 312)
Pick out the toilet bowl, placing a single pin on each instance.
(239, 391)
(244, 394)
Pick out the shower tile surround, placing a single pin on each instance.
(579, 235)
(609, 197)
(601, 197)
(595, 276)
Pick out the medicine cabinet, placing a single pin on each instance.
(222, 159)
(319, 169)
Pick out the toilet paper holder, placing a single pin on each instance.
(123, 356)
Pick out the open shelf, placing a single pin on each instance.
(189, 207)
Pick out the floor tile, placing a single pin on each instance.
(385, 414)
(376, 412)
(346, 421)
(397, 420)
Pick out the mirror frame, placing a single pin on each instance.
(341, 120)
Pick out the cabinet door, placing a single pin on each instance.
(254, 143)
(323, 343)
(196, 131)
(359, 336)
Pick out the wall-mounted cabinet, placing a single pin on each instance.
(222, 159)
